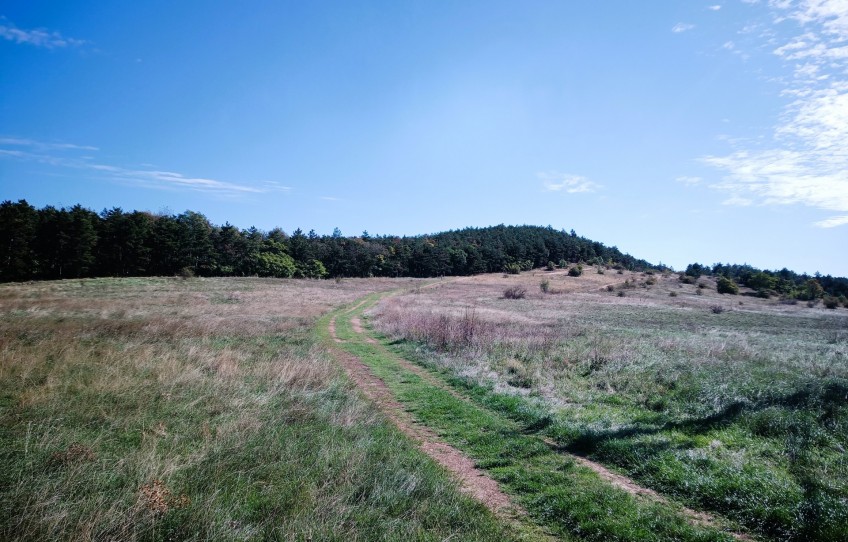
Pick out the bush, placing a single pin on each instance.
(600, 270)
(515, 292)
(270, 264)
(512, 268)
(672, 294)
(831, 302)
(717, 309)
(575, 271)
(621, 293)
(187, 272)
(545, 286)
(610, 288)
(726, 286)
(551, 266)
(686, 279)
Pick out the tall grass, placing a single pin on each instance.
(201, 410)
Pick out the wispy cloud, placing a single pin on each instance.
(43, 146)
(689, 181)
(67, 155)
(38, 37)
(682, 27)
(716, 7)
(553, 181)
(807, 160)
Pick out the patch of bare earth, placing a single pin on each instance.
(472, 480)
(356, 324)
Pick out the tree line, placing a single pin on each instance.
(783, 283)
(75, 242)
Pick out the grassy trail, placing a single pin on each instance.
(562, 494)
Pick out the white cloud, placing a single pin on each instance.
(66, 155)
(553, 181)
(38, 37)
(833, 222)
(714, 8)
(689, 181)
(807, 160)
(682, 27)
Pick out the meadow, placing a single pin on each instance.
(203, 409)
(606, 406)
(734, 405)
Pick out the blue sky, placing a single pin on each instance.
(678, 131)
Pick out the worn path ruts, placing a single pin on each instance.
(472, 480)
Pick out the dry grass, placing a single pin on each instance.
(161, 409)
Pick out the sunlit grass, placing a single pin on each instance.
(742, 412)
(159, 409)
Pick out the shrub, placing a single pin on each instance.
(699, 292)
(717, 309)
(551, 266)
(702, 285)
(518, 375)
(686, 279)
(600, 270)
(672, 294)
(270, 264)
(512, 268)
(610, 288)
(575, 271)
(621, 293)
(187, 272)
(651, 281)
(515, 292)
(726, 286)
(545, 286)
(831, 302)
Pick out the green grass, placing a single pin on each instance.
(562, 496)
(743, 413)
(126, 415)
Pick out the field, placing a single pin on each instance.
(730, 404)
(608, 407)
(162, 409)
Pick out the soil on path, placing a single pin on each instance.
(472, 480)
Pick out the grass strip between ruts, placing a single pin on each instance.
(562, 496)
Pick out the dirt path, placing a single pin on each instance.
(332, 328)
(472, 480)
(356, 324)
(617, 480)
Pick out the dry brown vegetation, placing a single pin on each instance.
(163, 409)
